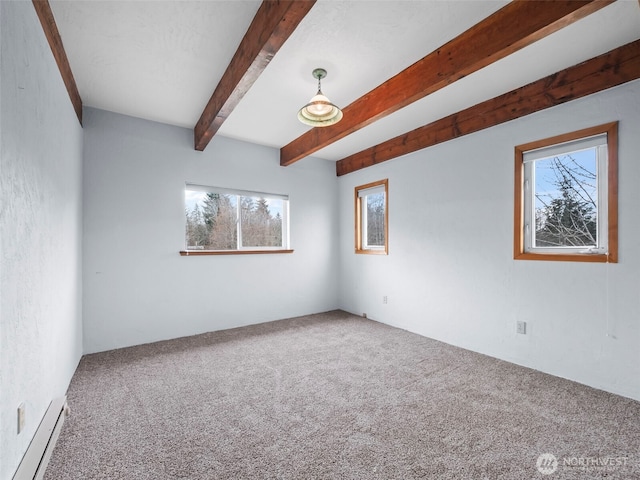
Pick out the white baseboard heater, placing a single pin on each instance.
(36, 458)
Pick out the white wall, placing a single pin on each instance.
(40, 230)
(450, 274)
(138, 289)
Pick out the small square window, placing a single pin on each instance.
(372, 218)
(566, 197)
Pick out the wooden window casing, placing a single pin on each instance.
(360, 244)
(611, 256)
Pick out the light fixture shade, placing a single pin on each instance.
(319, 112)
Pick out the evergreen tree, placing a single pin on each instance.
(570, 218)
(210, 209)
(262, 224)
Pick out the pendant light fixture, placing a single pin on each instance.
(319, 112)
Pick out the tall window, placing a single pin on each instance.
(225, 220)
(372, 218)
(566, 197)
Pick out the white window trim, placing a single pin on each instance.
(529, 159)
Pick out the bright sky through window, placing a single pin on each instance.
(566, 197)
(566, 200)
(192, 198)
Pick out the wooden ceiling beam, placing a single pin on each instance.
(600, 73)
(511, 28)
(48, 22)
(272, 25)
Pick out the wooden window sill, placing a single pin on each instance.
(191, 253)
(574, 257)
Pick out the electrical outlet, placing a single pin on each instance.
(384, 299)
(21, 417)
(521, 327)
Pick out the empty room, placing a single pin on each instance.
(319, 239)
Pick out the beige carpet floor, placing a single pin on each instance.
(334, 396)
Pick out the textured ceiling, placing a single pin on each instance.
(161, 60)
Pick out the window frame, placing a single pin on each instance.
(240, 250)
(360, 243)
(611, 182)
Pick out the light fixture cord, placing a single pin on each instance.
(319, 89)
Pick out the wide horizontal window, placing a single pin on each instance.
(566, 197)
(227, 220)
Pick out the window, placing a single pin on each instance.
(372, 218)
(566, 197)
(220, 221)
